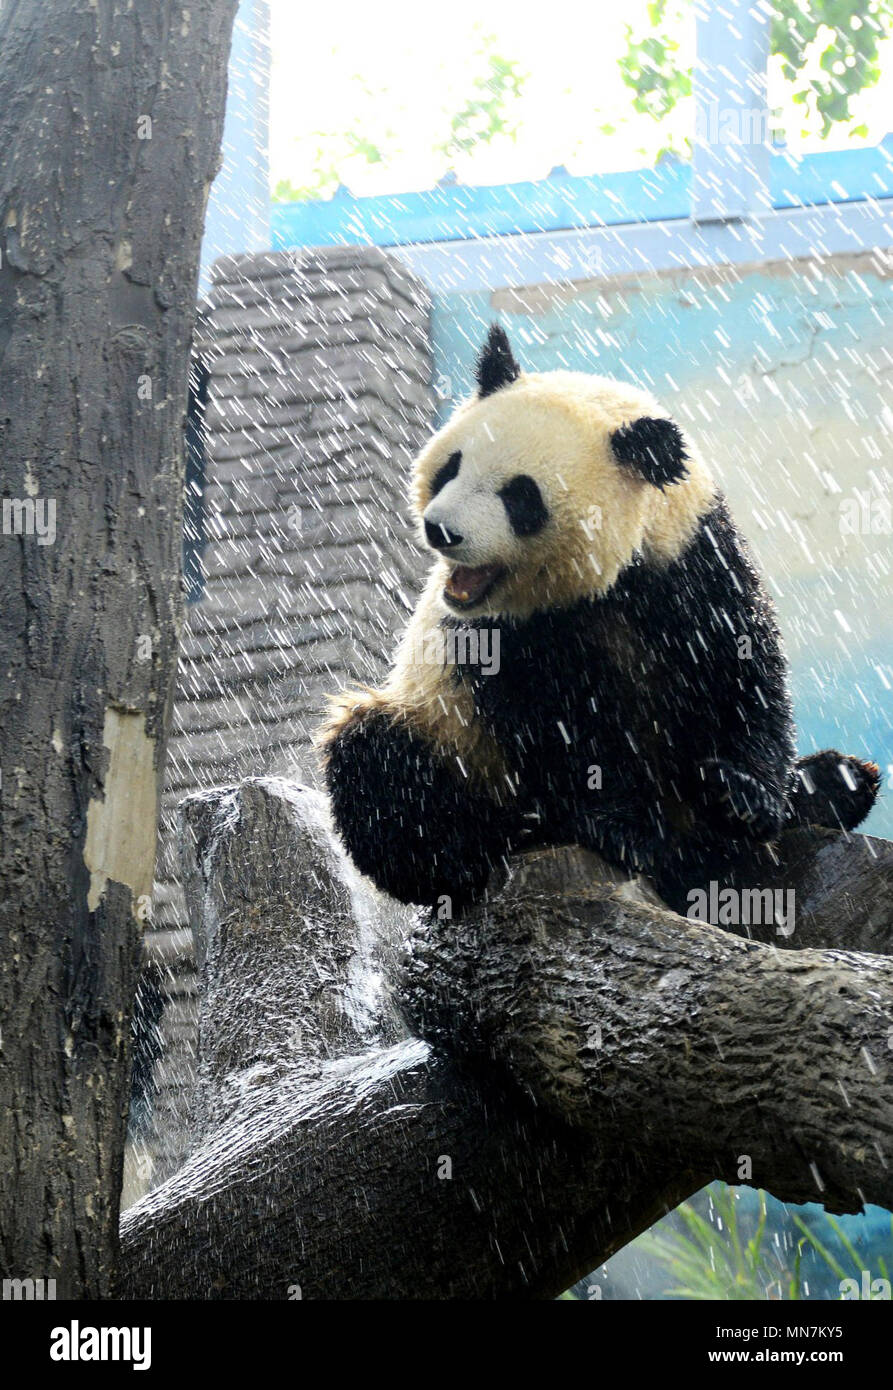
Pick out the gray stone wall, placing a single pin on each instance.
(319, 394)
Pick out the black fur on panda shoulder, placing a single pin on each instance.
(654, 722)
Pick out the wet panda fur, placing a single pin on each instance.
(639, 703)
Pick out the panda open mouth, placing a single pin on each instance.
(469, 585)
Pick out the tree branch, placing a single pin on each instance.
(589, 1060)
(622, 1018)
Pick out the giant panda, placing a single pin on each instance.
(634, 699)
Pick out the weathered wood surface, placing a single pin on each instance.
(110, 125)
(583, 1059)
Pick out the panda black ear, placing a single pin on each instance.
(654, 448)
(496, 366)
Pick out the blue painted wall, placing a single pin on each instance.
(564, 201)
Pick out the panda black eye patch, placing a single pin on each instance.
(446, 474)
(524, 505)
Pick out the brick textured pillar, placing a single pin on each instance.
(319, 393)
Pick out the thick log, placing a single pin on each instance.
(842, 887)
(339, 1155)
(110, 124)
(624, 1019)
(293, 948)
(591, 1059)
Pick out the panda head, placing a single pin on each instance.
(543, 487)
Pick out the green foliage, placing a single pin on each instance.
(649, 67)
(714, 1260)
(846, 33)
(326, 166)
(857, 1261)
(483, 116)
(334, 150)
(718, 1260)
(838, 37)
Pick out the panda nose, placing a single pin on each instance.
(440, 537)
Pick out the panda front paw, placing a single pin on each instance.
(631, 841)
(406, 819)
(741, 803)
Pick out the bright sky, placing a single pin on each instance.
(395, 73)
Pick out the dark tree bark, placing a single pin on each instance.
(110, 126)
(673, 1036)
(584, 1059)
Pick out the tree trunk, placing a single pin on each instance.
(110, 125)
(584, 1060)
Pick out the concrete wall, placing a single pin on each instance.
(782, 372)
